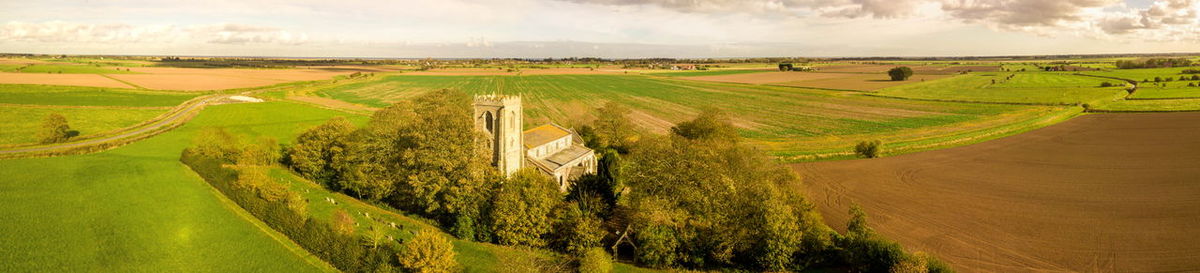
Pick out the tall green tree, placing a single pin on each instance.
(54, 129)
(612, 128)
(900, 73)
(711, 124)
(522, 211)
(315, 149)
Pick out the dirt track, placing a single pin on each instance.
(1099, 193)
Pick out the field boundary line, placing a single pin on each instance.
(124, 82)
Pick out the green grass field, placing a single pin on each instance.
(1152, 105)
(89, 96)
(1172, 90)
(1142, 74)
(1047, 79)
(1036, 88)
(21, 124)
(137, 209)
(784, 120)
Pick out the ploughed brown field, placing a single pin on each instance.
(1099, 193)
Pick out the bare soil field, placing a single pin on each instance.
(60, 79)
(1099, 193)
(526, 71)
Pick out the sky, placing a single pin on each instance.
(599, 28)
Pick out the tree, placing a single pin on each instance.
(595, 260)
(261, 153)
(1158, 79)
(576, 231)
(315, 149)
(521, 211)
(857, 226)
(216, 143)
(428, 252)
(900, 73)
(868, 149)
(612, 128)
(54, 129)
(711, 124)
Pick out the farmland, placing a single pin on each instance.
(1026, 87)
(88, 96)
(21, 124)
(1046, 201)
(784, 120)
(128, 74)
(136, 208)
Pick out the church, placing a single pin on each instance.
(555, 151)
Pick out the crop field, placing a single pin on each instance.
(137, 209)
(917, 68)
(88, 96)
(21, 124)
(1048, 200)
(167, 78)
(861, 82)
(1171, 90)
(787, 121)
(978, 87)
(1144, 73)
(63, 69)
(699, 73)
(1164, 105)
(93, 80)
(1049, 79)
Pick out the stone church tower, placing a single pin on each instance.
(500, 118)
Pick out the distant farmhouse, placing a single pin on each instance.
(552, 149)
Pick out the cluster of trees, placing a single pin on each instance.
(869, 149)
(240, 172)
(55, 129)
(696, 198)
(900, 73)
(1153, 63)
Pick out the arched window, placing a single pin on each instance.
(489, 122)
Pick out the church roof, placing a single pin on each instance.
(541, 135)
(561, 158)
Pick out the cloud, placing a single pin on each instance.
(828, 8)
(67, 32)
